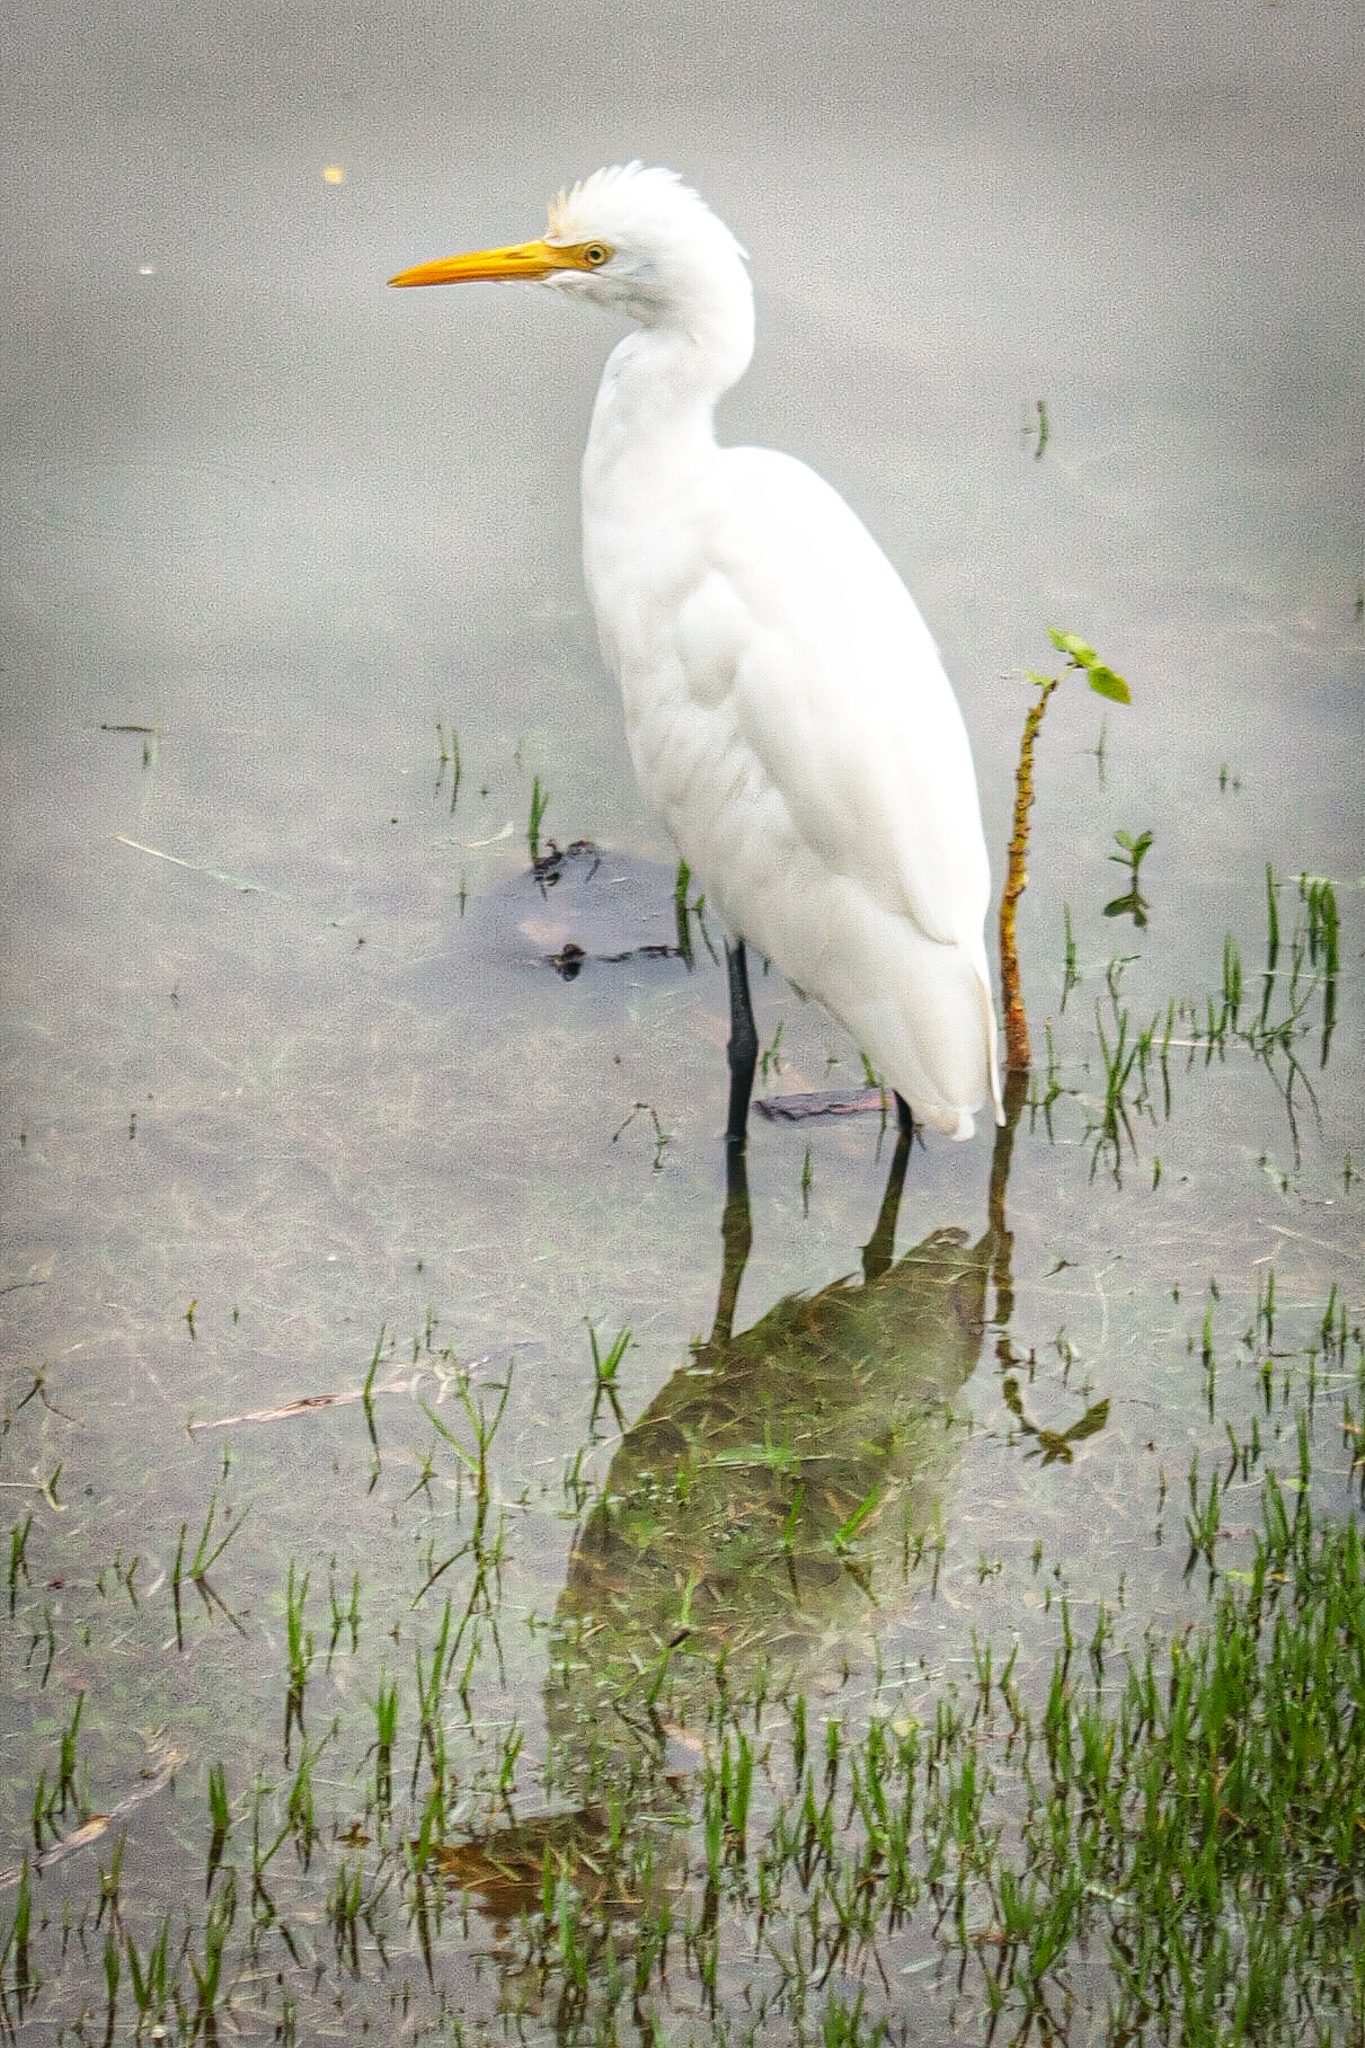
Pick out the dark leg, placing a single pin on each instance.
(736, 1235)
(743, 1052)
(905, 1116)
(880, 1247)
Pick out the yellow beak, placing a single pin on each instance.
(529, 260)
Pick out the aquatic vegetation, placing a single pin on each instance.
(540, 803)
(1131, 854)
(449, 758)
(1139, 1063)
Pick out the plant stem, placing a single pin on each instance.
(1017, 1057)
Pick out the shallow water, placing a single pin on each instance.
(288, 1093)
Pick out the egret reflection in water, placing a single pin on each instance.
(778, 1499)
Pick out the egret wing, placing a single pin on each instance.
(838, 689)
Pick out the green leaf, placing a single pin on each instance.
(1090, 1423)
(1106, 683)
(1132, 905)
(859, 1516)
(1081, 652)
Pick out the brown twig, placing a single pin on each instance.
(307, 1405)
(1017, 1056)
(98, 1824)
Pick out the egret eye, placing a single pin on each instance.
(595, 255)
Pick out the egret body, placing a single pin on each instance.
(786, 709)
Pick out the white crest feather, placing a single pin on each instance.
(623, 201)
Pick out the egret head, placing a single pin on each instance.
(629, 237)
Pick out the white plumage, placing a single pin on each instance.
(786, 709)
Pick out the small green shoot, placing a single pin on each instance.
(1132, 903)
(151, 1976)
(1071, 975)
(18, 1559)
(485, 1428)
(449, 743)
(682, 918)
(206, 1555)
(1320, 900)
(343, 1617)
(847, 1533)
(605, 1366)
(540, 799)
(299, 1649)
(150, 736)
(67, 1795)
(1100, 750)
(1037, 429)
(221, 1815)
(661, 1136)
(385, 1708)
(367, 1402)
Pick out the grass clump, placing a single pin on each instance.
(1210, 1823)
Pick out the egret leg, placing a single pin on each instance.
(743, 1049)
(905, 1116)
(880, 1247)
(737, 1236)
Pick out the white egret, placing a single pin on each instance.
(786, 709)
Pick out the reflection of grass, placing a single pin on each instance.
(1130, 856)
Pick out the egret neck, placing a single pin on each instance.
(653, 433)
